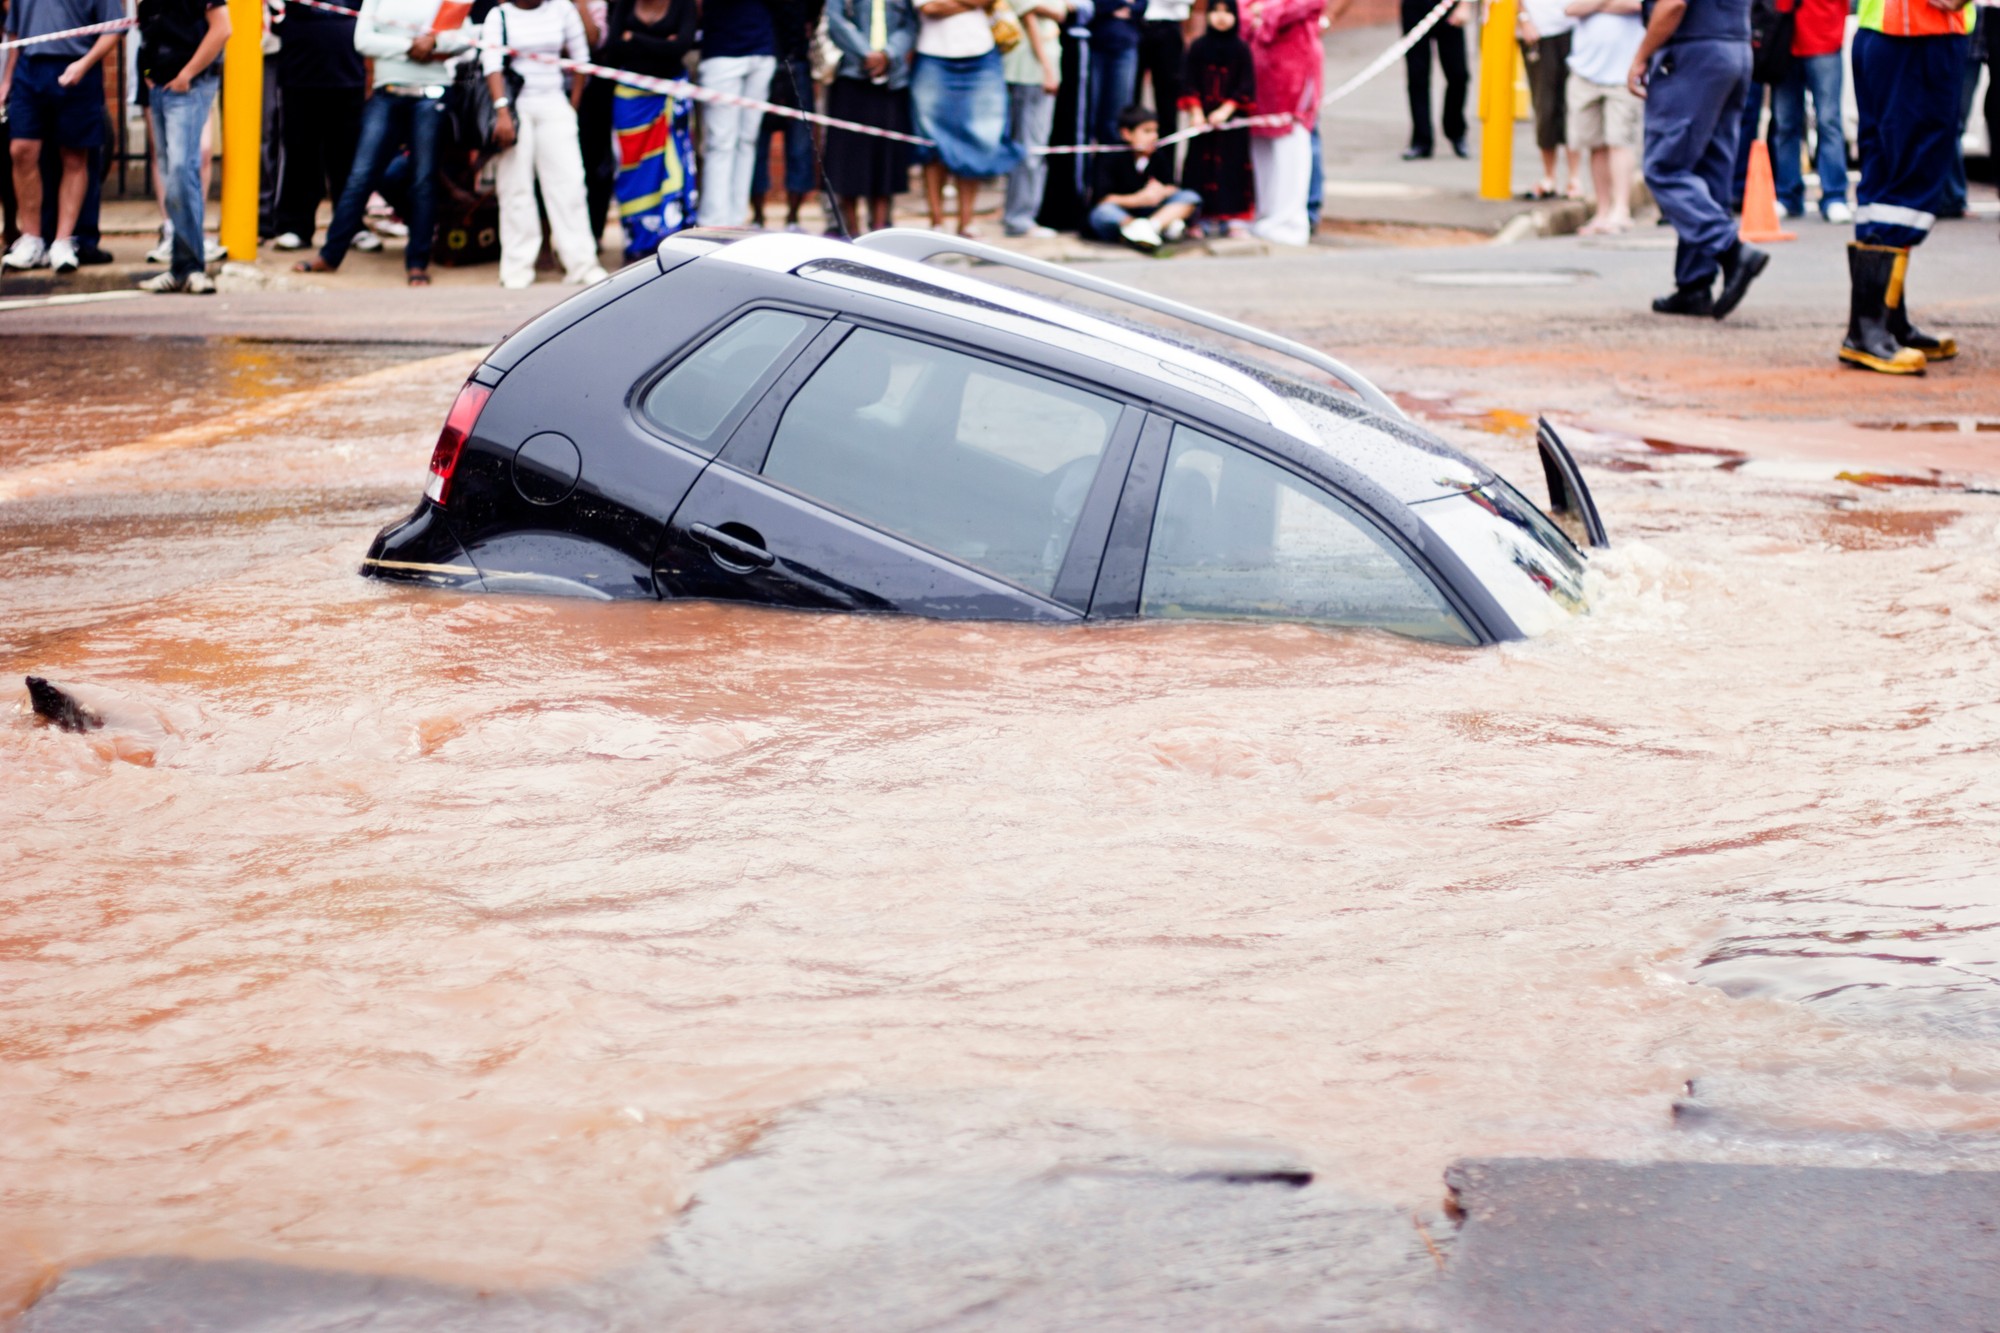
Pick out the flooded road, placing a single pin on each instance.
(469, 939)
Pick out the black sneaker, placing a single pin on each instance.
(89, 255)
(1458, 146)
(1693, 299)
(1740, 266)
(1413, 153)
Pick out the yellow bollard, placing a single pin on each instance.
(1497, 54)
(242, 127)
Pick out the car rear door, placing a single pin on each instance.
(897, 472)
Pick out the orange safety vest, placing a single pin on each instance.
(1914, 18)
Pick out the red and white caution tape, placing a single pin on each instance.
(1396, 51)
(89, 30)
(681, 88)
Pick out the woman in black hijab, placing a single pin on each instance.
(1221, 85)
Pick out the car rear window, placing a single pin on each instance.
(695, 399)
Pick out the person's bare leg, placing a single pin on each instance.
(934, 193)
(1573, 189)
(1600, 175)
(1620, 170)
(27, 154)
(881, 212)
(794, 201)
(1548, 181)
(968, 195)
(849, 210)
(69, 197)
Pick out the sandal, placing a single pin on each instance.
(420, 277)
(313, 265)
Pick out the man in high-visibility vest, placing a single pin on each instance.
(1909, 61)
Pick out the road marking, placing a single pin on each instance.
(72, 298)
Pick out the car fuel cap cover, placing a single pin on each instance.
(546, 467)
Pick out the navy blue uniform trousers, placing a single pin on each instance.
(1694, 112)
(1907, 90)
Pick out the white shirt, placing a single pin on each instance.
(1602, 50)
(1548, 16)
(956, 36)
(1177, 11)
(550, 28)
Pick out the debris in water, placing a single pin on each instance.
(59, 706)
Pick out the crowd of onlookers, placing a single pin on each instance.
(411, 106)
(484, 154)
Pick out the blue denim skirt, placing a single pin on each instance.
(962, 104)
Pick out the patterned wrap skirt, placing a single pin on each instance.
(656, 172)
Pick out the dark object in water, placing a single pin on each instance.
(1294, 1179)
(58, 706)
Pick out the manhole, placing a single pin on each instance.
(1502, 277)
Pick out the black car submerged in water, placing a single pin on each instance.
(810, 423)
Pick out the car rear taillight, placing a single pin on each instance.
(458, 424)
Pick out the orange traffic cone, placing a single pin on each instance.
(1760, 200)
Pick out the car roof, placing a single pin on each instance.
(1403, 460)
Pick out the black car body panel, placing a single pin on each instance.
(768, 420)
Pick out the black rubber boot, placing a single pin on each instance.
(1933, 346)
(1741, 263)
(1870, 345)
(1696, 298)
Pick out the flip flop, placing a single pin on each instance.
(313, 266)
(420, 277)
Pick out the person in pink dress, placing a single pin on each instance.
(1285, 50)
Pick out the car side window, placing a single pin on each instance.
(1234, 535)
(981, 462)
(692, 401)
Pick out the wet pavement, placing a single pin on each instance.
(743, 969)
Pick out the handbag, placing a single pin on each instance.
(475, 120)
(1007, 32)
(1771, 41)
(825, 54)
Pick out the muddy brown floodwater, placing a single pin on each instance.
(470, 938)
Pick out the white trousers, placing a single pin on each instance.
(1283, 167)
(729, 136)
(547, 150)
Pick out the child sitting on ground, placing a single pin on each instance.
(1221, 86)
(1145, 211)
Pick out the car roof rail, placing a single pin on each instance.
(919, 246)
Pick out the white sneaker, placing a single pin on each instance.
(62, 255)
(595, 273)
(212, 252)
(163, 282)
(163, 253)
(366, 241)
(1839, 214)
(28, 252)
(287, 240)
(1142, 233)
(199, 284)
(1174, 231)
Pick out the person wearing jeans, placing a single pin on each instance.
(180, 45)
(1034, 76)
(407, 107)
(1821, 77)
(739, 55)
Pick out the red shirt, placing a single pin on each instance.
(1820, 27)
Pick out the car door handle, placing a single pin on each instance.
(731, 549)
